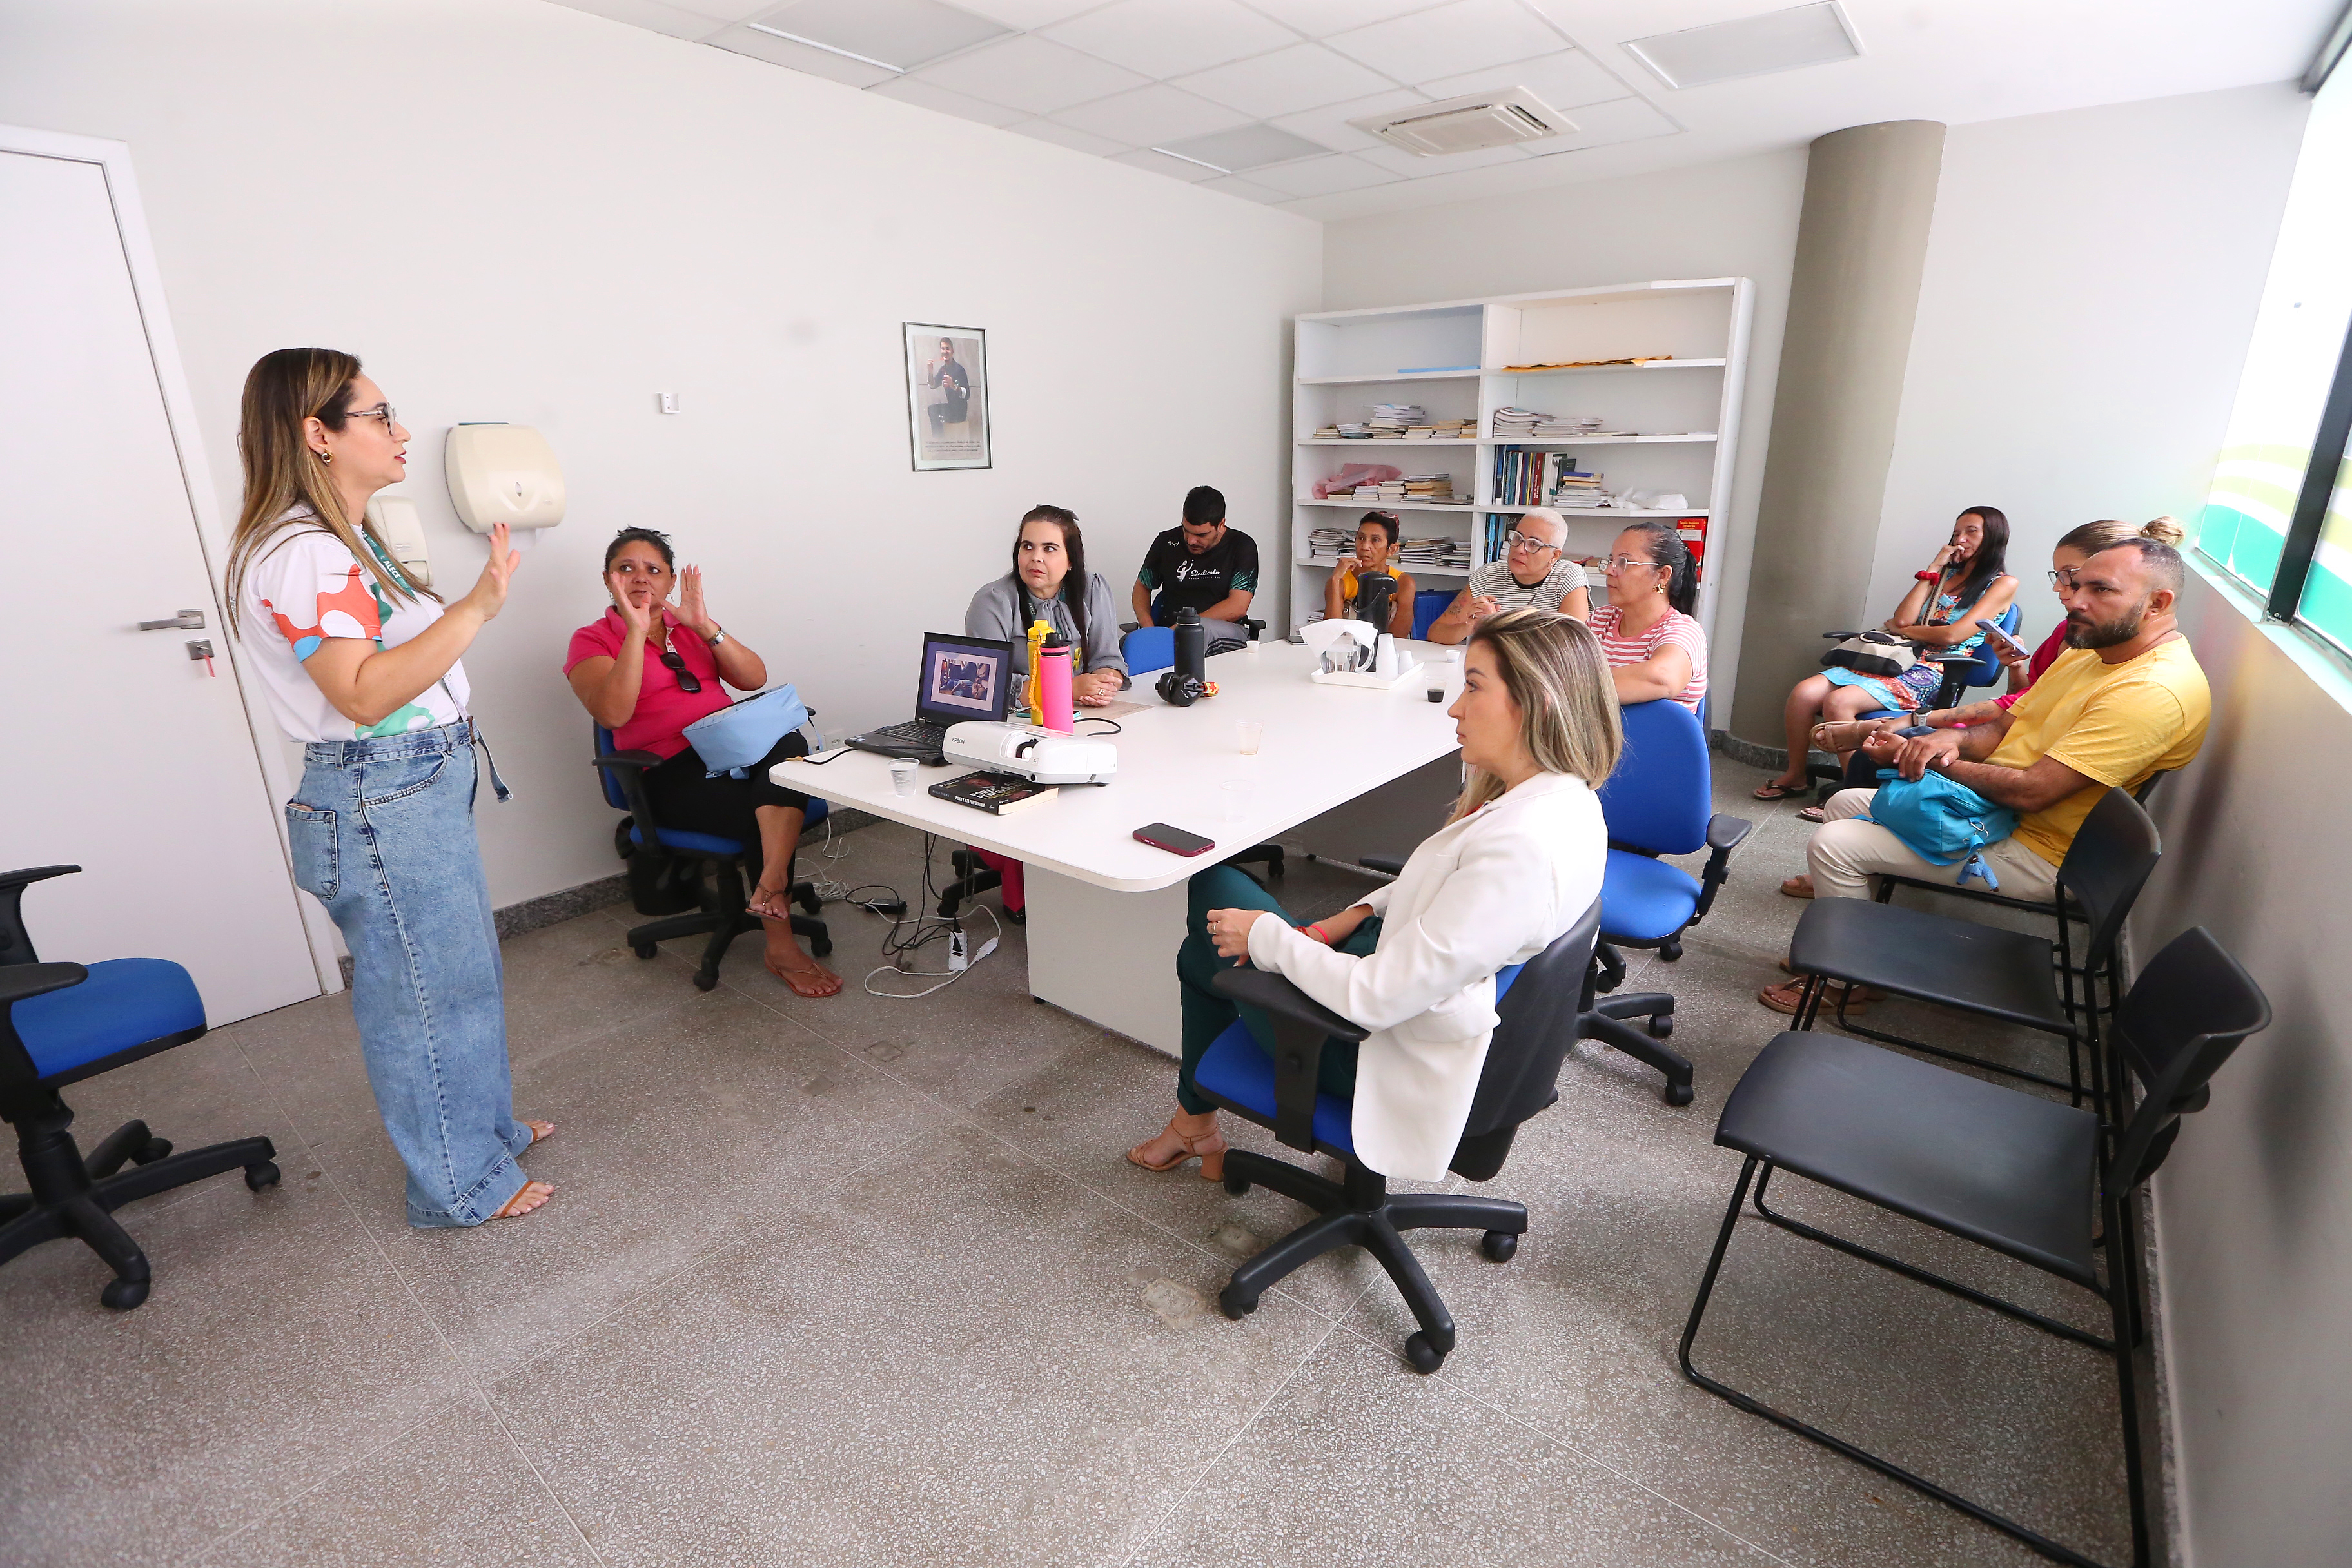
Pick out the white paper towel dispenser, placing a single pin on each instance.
(395, 522)
(503, 473)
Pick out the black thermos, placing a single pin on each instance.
(1192, 645)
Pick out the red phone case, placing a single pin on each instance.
(1142, 836)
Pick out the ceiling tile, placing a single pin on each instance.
(910, 89)
(1564, 81)
(1244, 147)
(1329, 126)
(652, 14)
(1321, 176)
(1148, 115)
(1248, 190)
(1023, 13)
(778, 51)
(1169, 38)
(1066, 136)
(1599, 124)
(1321, 18)
(1466, 35)
(1412, 166)
(727, 10)
(1160, 163)
(901, 33)
(1285, 81)
(1031, 73)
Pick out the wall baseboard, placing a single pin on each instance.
(570, 903)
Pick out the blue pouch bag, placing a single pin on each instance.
(1942, 821)
(729, 741)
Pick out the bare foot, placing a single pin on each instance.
(771, 904)
(533, 1193)
(1798, 887)
(540, 1132)
(804, 974)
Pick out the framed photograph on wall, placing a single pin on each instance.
(947, 395)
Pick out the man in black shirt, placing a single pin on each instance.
(947, 373)
(1202, 565)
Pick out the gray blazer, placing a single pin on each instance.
(997, 611)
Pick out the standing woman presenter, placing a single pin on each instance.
(361, 665)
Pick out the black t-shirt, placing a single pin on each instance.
(1177, 578)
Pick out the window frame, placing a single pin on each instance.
(2320, 481)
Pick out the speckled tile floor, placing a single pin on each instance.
(868, 1281)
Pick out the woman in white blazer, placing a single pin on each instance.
(1515, 866)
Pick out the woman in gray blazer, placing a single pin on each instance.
(1049, 581)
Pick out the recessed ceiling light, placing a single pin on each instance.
(1245, 147)
(896, 35)
(1755, 46)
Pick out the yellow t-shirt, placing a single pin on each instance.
(2115, 724)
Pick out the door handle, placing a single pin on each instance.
(185, 621)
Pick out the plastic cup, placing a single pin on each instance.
(1248, 732)
(902, 776)
(1234, 799)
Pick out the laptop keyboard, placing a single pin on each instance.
(916, 732)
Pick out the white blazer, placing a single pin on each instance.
(1492, 890)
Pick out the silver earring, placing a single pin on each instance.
(326, 456)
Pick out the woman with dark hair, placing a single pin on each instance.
(363, 665)
(1347, 593)
(1966, 581)
(1049, 581)
(646, 671)
(1653, 647)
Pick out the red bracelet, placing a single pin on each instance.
(1317, 929)
(1928, 576)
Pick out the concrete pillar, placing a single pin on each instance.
(1861, 241)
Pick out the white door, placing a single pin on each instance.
(124, 756)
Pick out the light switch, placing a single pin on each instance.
(668, 400)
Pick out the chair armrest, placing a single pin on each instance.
(629, 769)
(1392, 864)
(1724, 834)
(1252, 625)
(32, 874)
(640, 761)
(18, 980)
(1301, 1025)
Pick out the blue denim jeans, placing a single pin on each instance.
(384, 836)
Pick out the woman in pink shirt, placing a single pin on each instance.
(1654, 647)
(645, 671)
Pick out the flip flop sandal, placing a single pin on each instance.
(801, 980)
(1775, 790)
(1812, 813)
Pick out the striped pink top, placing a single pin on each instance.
(1677, 629)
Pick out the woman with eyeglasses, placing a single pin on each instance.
(363, 664)
(1653, 647)
(645, 670)
(1535, 569)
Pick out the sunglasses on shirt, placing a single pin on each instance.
(687, 681)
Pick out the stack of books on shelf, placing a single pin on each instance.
(1392, 420)
(1517, 423)
(1343, 432)
(1567, 428)
(1330, 543)
(1525, 477)
(1572, 490)
(1445, 430)
(1386, 490)
(1430, 490)
(1452, 553)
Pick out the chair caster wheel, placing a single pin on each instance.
(705, 980)
(813, 904)
(1661, 1025)
(124, 1294)
(1236, 1306)
(1236, 1186)
(820, 946)
(265, 1174)
(644, 949)
(1678, 1094)
(1499, 1244)
(151, 1150)
(1422, 1356)
(1672, 952)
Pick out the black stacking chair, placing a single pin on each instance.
(1537, 1027)
(2029, 981)
(62, 1023)
(2006, 1170)
(723, 904)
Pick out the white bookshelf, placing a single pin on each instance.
(1450, 358)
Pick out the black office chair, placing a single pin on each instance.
(1538, 1025)
(2020, 979)
(60, 1024)
(2009, 1171)
(682, 858)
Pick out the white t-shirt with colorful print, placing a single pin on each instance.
(304, 587)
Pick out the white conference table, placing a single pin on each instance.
(1105, 911)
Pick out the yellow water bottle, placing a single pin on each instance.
(1039, 630)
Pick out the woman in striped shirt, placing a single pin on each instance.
(1655, 649)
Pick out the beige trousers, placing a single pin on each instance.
(1844, 854)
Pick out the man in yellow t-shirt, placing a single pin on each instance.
(2125, 701)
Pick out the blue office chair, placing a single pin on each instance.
(1659, 802)
(722, 905)
(60, 1024)
(1146, 649)
(1427, 606)
(1541, 1004)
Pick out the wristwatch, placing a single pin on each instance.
(717, 638)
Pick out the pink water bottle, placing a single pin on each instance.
(1053, 699)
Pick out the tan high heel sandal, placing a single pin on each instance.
(1208, 1150)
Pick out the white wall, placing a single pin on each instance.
(515, 211)
(2253, 1209)
(1735, 219)
(2091, 281)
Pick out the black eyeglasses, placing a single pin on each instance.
(687, 681)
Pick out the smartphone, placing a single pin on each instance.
(1175, 840)
(1992, 630)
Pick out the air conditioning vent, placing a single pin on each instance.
(1469, 124)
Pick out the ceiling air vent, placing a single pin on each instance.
(1469, 124)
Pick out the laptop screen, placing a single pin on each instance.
(963, 678)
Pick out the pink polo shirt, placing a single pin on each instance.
(663, 711)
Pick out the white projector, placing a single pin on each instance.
(1043, 756)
